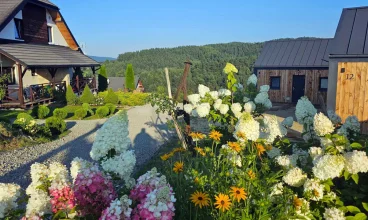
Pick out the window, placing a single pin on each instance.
(323, 83)
(49, 34)
(18, 28)
(10, 74)
(275, 82)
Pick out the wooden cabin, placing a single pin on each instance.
(294, 68)
(348, 66)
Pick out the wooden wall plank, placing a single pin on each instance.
(362, 91)
(356, 95)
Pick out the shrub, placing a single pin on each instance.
(56, 125)
(80, 113)
(88, 108)
(26, 116)
(102, 111)
(102, 79)
(71, 97)
(129, 78)
(60, 113)
(87, 96)
(5, 130)
(111, 97)
(42, 111)
(59, 95)
(132, 99)
(111, 107)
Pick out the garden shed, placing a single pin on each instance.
(294, 68)
(348, 66)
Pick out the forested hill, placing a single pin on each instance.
(208, 62)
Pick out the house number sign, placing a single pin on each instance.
(350, 76)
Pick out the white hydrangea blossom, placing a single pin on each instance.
(121, 165)
(274, 152)
(203, 110)
(59, 175)
(351, 125)
(232, 156)
(236, 108)
(125, 204)
(248, 126)
(288, 122)
(194, 99)
(322, 125)
(214, 95)
(77, 165)
(224, 109)
(356, 162)
(301, 155)
(113, 210)
(202, 90)
(217, 104)
(224, 92)
(287, 161)
(267, 104)
(38, 204)
(113, 135)
(333, 214)
(315, 152)
(328, 166)
(303, 210)
(277, 189)
(264, 88)
(249, 107)
(261, 98)
(9, 194)
(273, 128)
(314, 189)
(252, 80)
(295, 177)
(305, 111)
(188, 108)
(39, 171)
(335, 118)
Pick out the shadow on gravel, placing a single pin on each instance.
(70, 124)
(161, 128)
(78, 147)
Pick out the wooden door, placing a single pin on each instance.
(298, 87)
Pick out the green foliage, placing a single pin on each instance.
(42, 111)
(60, 113)
(3, 80)
(87, 96)
(102, 111)
(129, 78)
(102, 79)
(71, 97)
(88, 108)
(111, 107)
(111, 97)
(80, 113)
(128, 98)
(26, 116)
(56, 125)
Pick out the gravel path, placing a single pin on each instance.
(147, 131)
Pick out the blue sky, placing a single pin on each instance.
(111, 27)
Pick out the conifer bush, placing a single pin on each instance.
(87, 96)
(129, 78)
(102, 79)
(111, 107)
(102, 111)
(56, 125)
(111, 97)
(80, 113)
(42, 111)
(60, 113)
(26, 116)
(88, 108)
(71, 97)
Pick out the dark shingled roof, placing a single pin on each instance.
(37, 55)
(351, 38)
(294, 54)
(47, 2)
(118, 83)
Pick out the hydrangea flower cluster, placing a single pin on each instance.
(121, 165)
(77, 165)
(313, 189)
(287, 161)
(9, 194)
(333, 214)
(62, 199)
(118, 209)
(252, 80)
(351, 126)
(230, 68)
(247, 126)
(262, 99)
(93, 191)
(272, 129)
(249, 107)
(356, 162)
(328, 166)
(277, 189)
(335, 119)
(203, 90)
(305, 111)
(295, 177)
(322, 125)
(288, 122)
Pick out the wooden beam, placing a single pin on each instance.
(183, 82)
(24, 72)
(20, 90)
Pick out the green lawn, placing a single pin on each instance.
(8, 115)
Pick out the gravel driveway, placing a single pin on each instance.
(147, 131)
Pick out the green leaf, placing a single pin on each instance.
(353, 209)
(350, 217)
(360, 216)
(346, 175)
(355, 178)
(356, 146)
(365, 205)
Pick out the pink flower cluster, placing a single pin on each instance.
(62, 199)
(93, 192)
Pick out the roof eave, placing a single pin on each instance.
(291, 67)
(63, 66)
(349, 56)
(45, 5)
(12, 15)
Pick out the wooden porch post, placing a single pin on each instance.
(94, 77)
(20, 90)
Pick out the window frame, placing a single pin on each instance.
(320, 83)
(50, 35)
(17, 31)
(275, 88)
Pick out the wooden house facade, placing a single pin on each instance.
(294, 68)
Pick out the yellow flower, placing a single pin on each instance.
(178, 167)
(222, 202)
(297, 202)
(178, 149)
(215, 135)
(238, 193)
(235, 146)
(196, 180)
(200, 199)
(241, 135)
(166, 156)
(251, 175)
(260, 149)
(197, 136)
(230, 68)
(200, 151)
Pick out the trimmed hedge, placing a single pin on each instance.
(56, 125)
(87, 96)
(60, 113)
(128, 98)
(42, 111)
(88, 108)
(71, 98)
(102, 111)
(111, 107)
(111, 97)
(80, 113)
(26, 116)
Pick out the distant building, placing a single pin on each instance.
(118, 83)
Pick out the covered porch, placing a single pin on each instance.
(37, 72)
